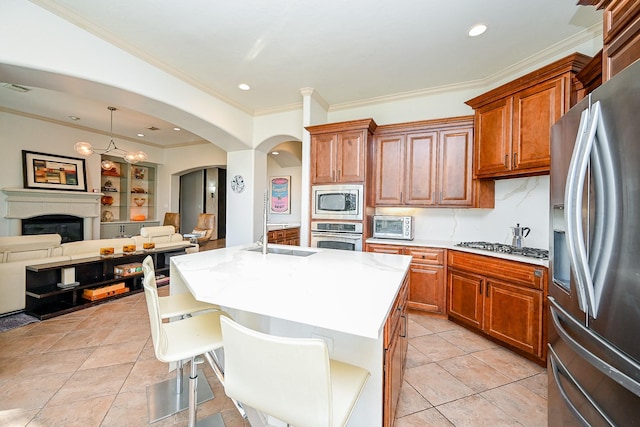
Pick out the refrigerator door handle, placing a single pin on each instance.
(606, 215)
(606, 368)
(571, 210)
(557, 369)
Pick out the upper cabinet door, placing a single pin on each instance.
(389, 180)
(420, 169)
(323, 158)
(351, 156)
(535, 111)
(455, 158)
(621, 44)
(493, 137)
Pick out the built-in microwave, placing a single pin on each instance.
(343, 201)
(393, 227)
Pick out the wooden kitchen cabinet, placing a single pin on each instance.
(396, 343)
(427, 285)
(524, 330)
(621, 36)
(339, 151)
(465, 297)
(286, 236)
(427, 163)
(504, 299)
(513, 121)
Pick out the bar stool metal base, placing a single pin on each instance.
(214, 420)
(163, 401)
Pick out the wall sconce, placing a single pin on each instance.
(213, 191)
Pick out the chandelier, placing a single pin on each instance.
(86, 149)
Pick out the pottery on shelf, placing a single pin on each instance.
(139, 201)
(107, 200)
(107, 216)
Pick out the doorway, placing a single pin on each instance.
(204, 191)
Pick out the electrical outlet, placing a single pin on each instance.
(327, 340)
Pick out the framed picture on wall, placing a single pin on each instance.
(53, 172)
(280, 200)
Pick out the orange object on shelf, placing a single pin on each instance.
(104, 291)
(138, 218)
(107, 251)
(128, 248)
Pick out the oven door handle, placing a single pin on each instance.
(348, 236)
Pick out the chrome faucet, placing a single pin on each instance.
(265, 237)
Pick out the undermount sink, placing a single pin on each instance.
(282, 251)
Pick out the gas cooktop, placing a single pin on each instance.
(507, 249)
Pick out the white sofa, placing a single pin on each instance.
(16, 252)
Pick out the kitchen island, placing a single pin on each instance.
(343, 297)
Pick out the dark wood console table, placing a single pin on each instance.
(46, 299)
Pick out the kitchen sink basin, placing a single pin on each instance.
(282, 251)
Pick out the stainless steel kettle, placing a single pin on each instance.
(519, 233)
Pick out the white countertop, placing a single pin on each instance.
(444, 244)
(272, 227)
(349, 292)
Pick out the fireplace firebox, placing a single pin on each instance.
(69, 227)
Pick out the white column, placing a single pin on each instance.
(244, 209)
(314, 111)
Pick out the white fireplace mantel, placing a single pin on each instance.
(23, 203)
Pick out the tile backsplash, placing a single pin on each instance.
(518, 200)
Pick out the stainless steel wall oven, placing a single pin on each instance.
(337, 235)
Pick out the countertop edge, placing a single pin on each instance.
(444, 244)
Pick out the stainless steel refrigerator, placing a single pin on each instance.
(594, 295)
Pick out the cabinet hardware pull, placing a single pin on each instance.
(404, 335)
(487, 290)
(480, 287)
(515, 160)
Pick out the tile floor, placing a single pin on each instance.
(91, 368)
(454, 377)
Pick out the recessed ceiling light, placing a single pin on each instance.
(141, 135)
(176, 128)
(476, 30)
(275, 153)
(244, 86)
(74, 118)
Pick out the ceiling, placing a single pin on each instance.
(348, 51)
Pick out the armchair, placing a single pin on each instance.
(204, 227)
(172, 218)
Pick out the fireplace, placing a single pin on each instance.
(25, 204)
(69, 227)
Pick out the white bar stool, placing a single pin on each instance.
(176, 341)
(291, 379)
